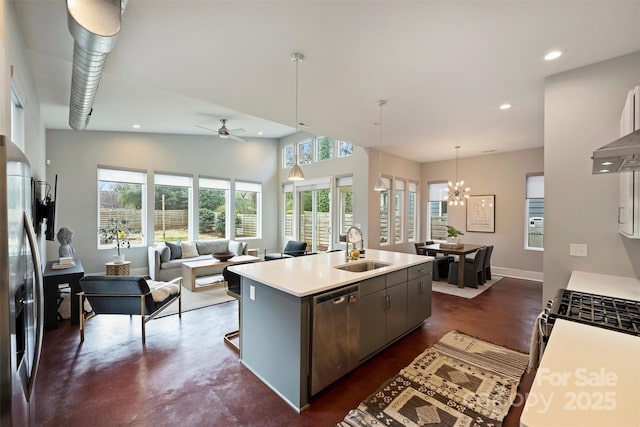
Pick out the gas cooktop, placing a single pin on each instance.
(617, 314)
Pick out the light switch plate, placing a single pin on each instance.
(576, 249)
(252, 292)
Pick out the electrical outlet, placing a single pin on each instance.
(252, 292)
(576, 249)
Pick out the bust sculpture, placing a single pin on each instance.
(65, 237)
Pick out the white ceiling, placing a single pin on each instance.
(444, 67)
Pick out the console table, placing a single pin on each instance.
(52, 279)
(189, 269)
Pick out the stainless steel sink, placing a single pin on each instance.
(362, 266)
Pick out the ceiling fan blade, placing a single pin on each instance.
(237, 138)
(206, 128)
(239, 130)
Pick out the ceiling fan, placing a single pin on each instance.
(225, 133)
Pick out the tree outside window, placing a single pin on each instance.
(324, 148)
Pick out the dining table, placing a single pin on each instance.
(462, 252)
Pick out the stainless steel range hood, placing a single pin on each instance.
(621, 155)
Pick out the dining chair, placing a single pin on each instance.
(473, 271)
(440, 262)
(487, 263)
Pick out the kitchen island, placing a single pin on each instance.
(277, 312)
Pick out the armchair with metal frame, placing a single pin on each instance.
(293, 248)
(130, 295)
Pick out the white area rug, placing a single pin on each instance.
(447, 288)
(199, 299)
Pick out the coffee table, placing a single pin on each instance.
(191, 268)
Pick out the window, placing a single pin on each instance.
(399, 209)
(324, 148)
(437, 226)
(213, 204)
(345, 204)
(345, 149)
(305, 152)
(248, 201)
(384, 213)
(17, 118)
(412, 209)
(122, 195)
(173, 206)
(288, 210)
(314, 207)
(287, 157)
(534, 209)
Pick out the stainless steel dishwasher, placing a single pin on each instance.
(335, 342)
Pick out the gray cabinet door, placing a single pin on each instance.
(396, 311)
(419, 300)
(372, 322)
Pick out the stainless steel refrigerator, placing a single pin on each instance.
(21, 291)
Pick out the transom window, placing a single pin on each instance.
(317, 149)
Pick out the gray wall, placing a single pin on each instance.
(582, 113)
(75, 157)
(502, 174)
(13, 58)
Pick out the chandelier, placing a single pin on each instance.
(457, 193)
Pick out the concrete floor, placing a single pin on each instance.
(187, 375)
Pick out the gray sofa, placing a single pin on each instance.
(165, 260)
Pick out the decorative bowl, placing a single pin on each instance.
(223, 256)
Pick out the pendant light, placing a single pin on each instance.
(380, 185)
(296, 173)
(457, 192)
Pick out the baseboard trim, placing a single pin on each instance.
(536, 276)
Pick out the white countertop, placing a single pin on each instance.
(588, 376)
(310, 274)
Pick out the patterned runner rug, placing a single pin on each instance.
(460, 381)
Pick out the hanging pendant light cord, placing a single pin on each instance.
(380, 103)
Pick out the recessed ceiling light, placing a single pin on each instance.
(505, 106)
(606, 163)
(604, 170)
(260, 133)
(554, 54)
(136, 126)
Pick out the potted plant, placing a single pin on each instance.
(116, 231)
(453, 233)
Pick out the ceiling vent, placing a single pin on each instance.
(94, 25)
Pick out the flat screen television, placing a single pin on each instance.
(46, 210)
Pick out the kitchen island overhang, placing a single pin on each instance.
(276, 310)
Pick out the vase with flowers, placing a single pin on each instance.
(115, 231)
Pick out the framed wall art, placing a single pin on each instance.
(481, 213)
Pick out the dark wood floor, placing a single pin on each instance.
(187, 375)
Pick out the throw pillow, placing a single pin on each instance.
(188, 249)
(235, 247)
(176, 250)
(165, 254)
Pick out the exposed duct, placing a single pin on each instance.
(94, 25)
